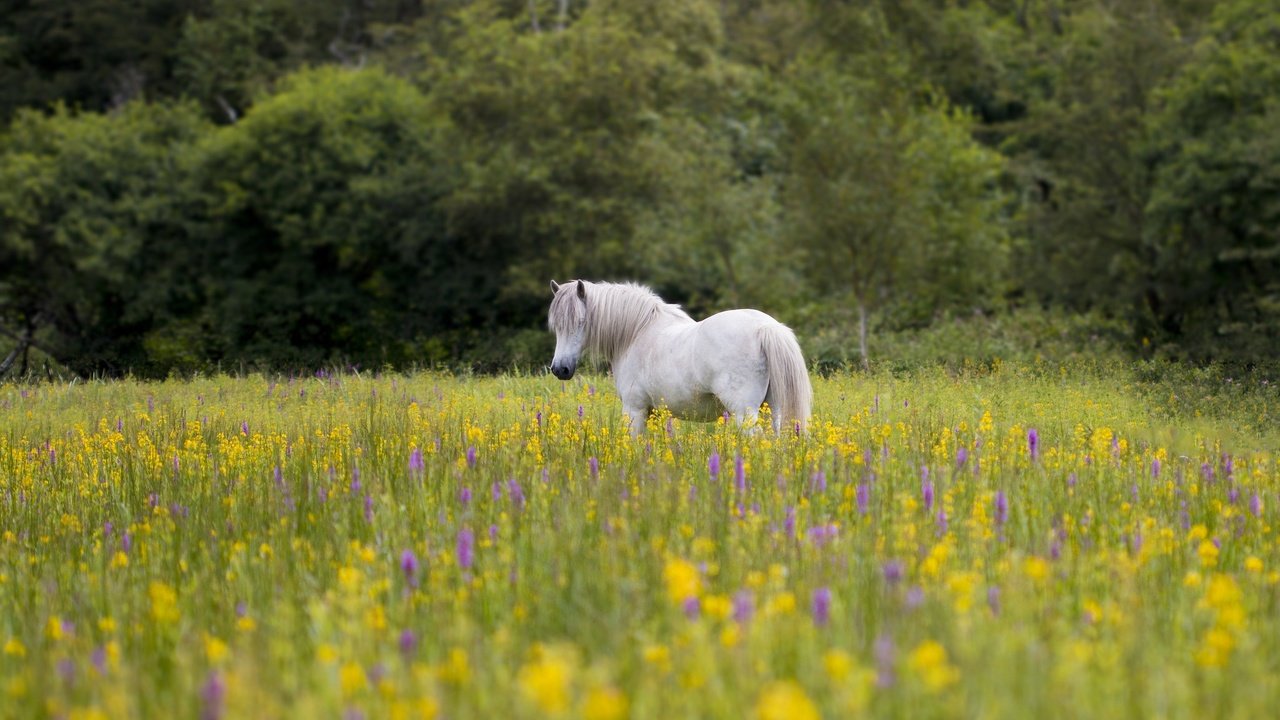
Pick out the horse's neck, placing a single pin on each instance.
(624, 314)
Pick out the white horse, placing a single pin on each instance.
(735, 360)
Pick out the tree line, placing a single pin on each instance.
(191, 184)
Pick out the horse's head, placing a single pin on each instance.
(568, 320)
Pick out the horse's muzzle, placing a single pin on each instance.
(564, 372)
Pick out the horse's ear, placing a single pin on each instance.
(555, 287)
(582, 291)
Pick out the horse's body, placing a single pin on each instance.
(733, 361)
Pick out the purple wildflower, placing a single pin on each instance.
(244, 427)
(471, 456)
(594, 466)
(1155, 468)
(464, 496)
(409, 565)
(212, 696)
(822, 534)
(355, 481)
(993, 599)
(864, 497)
(884, 652)
(1033, 444)
(1255, 505)
(1001, 508)
(821, 606)
(818, 481)
(739, 474)
(466, 548)
(926, 492)
(713, 464)
(691, 607)
(962, 454)
(915, 597)
(99, 659)
(515, 493)
(416, 463)
(941, 521)
(789, 523)
(893, 571)
(744, 606)
(368, 508)
(408, 644)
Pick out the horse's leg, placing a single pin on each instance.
(637, 416)
(741, 395)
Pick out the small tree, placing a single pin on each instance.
(893, 204)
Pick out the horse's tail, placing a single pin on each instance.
(790, 394)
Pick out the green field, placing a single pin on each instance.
(1016, 542)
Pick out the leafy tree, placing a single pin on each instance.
(555, 133)
(894, 205)
(232, 51)
(88, 54)
(1214, 212)
(1079, 152)
(320, 237)
(88, 216)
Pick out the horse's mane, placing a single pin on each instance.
(616, 314)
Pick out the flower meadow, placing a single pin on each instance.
(1006, 543)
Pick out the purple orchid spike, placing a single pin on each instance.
(416, 464)
(818, 482)
(212, 697)
(1001, 507)
(466, 548)
(926, 494)
(893, 571)
(409, 566)
(471, 456)
(408, 644)
(864, 498)
(821, 606)
(713, 464)
(1033, 444)
(743, 606)
(962, 454)
(691, 607)
(884, 652)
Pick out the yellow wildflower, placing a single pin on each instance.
(929, 662)
(604, 704)
(546, 682)
(682, 580)
(785, 700)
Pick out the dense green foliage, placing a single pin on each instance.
(186, 184)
